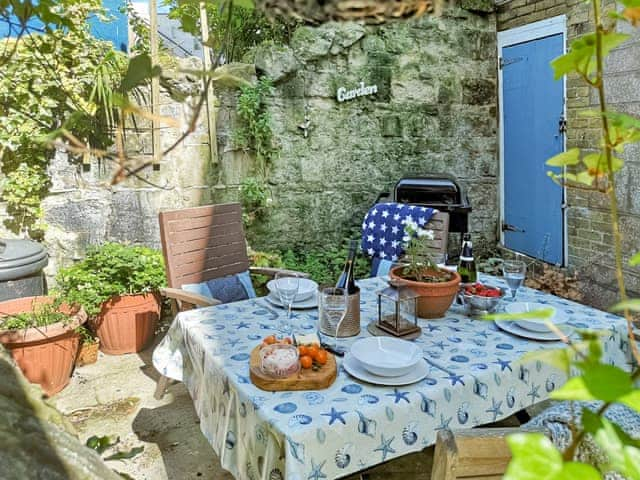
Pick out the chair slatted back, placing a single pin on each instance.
(474, 454)
(439, 223)
(203, 243)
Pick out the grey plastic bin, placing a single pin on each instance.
(21, 265)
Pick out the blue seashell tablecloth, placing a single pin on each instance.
(474, 379)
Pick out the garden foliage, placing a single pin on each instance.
(108, 270)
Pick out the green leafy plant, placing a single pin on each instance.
(42, 314)
(418, 242)
(254, 196)
(254, 132)
(108, 270)
(87, 337)
(533, 455)
(248, 27)
(324, 265)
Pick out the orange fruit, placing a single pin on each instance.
(287, 340)
(303, 350)
(306, 361)
(271, 339)
(321, 357)
(312, 351)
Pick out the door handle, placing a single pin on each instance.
(506, 227)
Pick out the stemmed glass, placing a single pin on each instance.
(514, 272)
(334, 302)
(287, 285)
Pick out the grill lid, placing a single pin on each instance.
(21, 258)
(433, 191)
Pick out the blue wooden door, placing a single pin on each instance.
(533, 104)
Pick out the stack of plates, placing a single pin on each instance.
(533, 328)
(305, 298)
(386, 361)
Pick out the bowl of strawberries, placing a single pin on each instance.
(480, 299)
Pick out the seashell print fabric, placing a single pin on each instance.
(474, 379)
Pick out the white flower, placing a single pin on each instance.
(422, 233)
(406, 238)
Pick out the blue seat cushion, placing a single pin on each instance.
(231, 288)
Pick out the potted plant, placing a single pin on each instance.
(89, 345)
(436, 286)
(40, 333)
(118, 286)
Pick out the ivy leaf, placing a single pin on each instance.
(570, 157)
(596, 164)
(581, 56)
(541, 314)
(635, 260)
(556, 357)
(534, 457)
(631, 304)
(100, 444)
(123, 455)
(599, 382)
(139, 71)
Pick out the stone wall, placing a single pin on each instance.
(590, 240)
(434, 112)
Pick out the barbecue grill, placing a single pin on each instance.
(442, 192)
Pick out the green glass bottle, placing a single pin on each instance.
(467, 265)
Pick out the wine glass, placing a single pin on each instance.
(334, 303)
(514, 272)
(287, 285)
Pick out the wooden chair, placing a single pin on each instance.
(473, 454)
(201, 244)
(439, 223)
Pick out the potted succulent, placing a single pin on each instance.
(437, 288)
(40, 333)
(118, 286)
(89, 345)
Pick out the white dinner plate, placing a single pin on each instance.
(535, 325)
(303, 305)
(306, 288)
(386, 356)
(353, 368)
(515, 329)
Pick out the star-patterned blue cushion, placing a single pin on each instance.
(383, 228)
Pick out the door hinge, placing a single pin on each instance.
(506, 227)
(504, 62)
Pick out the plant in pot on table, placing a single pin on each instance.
(436, 287)
(40, 332)
(117, 285)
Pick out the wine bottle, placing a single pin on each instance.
(346, 279)
(467, 265)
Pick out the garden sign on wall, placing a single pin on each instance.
(343, 94)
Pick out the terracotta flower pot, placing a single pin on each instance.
(435, 298)
(88, 353)
(127, 323)
(46, 355)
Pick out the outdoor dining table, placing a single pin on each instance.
(475, 378)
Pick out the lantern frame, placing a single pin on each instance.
(400, 294)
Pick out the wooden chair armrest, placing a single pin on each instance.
(189, 297)
(271, 272)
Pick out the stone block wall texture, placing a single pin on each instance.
(434, 112)
(589, 230)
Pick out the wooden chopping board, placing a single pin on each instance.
(305, 379)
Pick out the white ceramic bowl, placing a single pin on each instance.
(386, 356)
(306, 288)
(532, 324)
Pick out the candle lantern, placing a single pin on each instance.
(397, 310)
